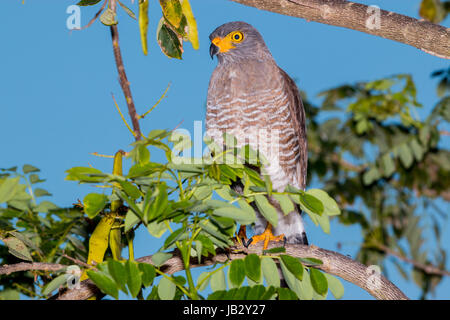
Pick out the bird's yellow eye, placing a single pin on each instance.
(237, 36)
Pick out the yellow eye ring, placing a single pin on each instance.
(237, 36)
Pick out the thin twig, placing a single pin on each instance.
(101, 155)
(94, 18)
(427, 268)
(121, 115)
(157, 102)
(79, 262)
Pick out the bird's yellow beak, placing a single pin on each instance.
(221, 45)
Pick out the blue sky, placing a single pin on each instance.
(56, 85)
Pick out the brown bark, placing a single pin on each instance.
(123, 80)
(426, 36)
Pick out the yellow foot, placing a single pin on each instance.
(266, 236)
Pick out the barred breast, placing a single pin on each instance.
(252, 103)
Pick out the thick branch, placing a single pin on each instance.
(426, 36)
(123, 77)
(333, 263)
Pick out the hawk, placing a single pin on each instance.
(252, 98)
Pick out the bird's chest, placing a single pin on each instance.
(243, 98)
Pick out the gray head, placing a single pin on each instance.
(235, 41)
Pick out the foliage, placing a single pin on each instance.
(385, 166)
(33, 229)
(178, 197)
(176, 25)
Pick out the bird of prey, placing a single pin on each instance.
(253, 99)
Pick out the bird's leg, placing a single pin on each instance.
(241, 236)
(266, 236)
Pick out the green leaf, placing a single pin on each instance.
(54, 284)
(34, 178)
(159, 204)
(127, 10)
(324, 222)
(311, 203)
(237, 272)
(130, 189)
(311, 261)
(85, 174)
(94, 203)
(286, 294)
(27, 168)
(204, 283)
(173, 237)
(131, 219)
(166, 289)
(253, 267)
(270, 272)
(267, 210)
(135, 208)
(405, 154)
(168, 41)
(285, 202)
(217, 281)
(157, 229)
(241, 216)
(38, 192)
(46, 206)
(275, 250)
(108, 17)
(142, 170)
(148, 273)
(159, 258)
(27, 241)
(305, 288)
(388, 165)
(319, 281)
(134, 281)
(371, 175)
(417, 149)
(118, 272)
(172, 11)
(104, 283)
(293, 265)
(17, 248)
(330, 206)
(335, 286)
(268, 184)
(9, 294)
(87, 2)
(292, 282)
(8, 188)
(199, 250)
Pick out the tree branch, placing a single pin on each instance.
(426, 36)
(333, 263)
(427, 268)
(123, 80)
(30, 266)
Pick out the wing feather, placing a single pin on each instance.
(299, 122)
